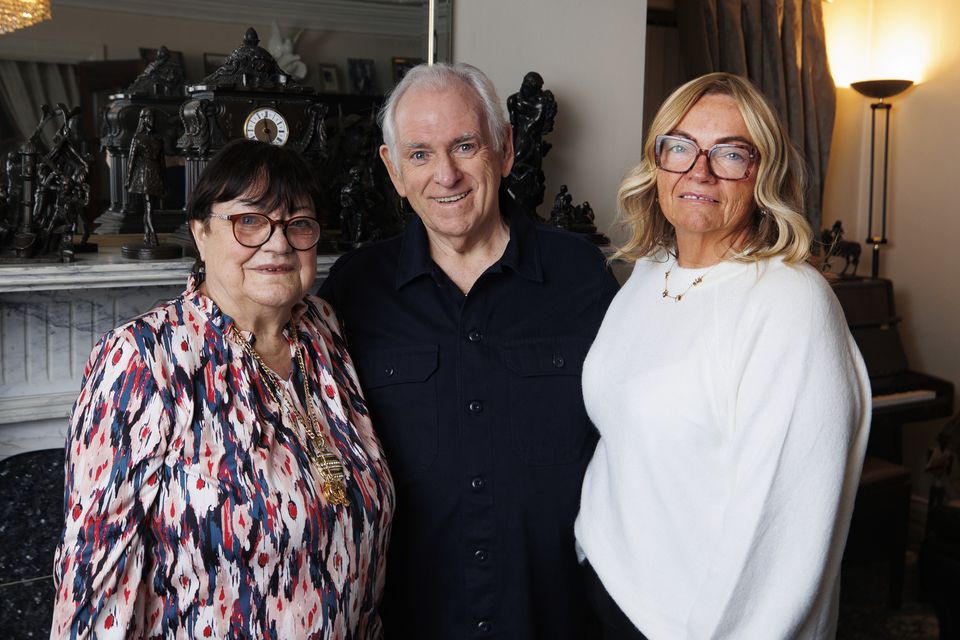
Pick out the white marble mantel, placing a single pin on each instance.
(51, 315)
(107, 270)
(100, 272)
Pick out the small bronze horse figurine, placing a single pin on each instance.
(835, 245)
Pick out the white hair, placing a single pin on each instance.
(440, 76)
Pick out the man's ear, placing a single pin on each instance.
(392, 170)
(507, 152)
(199, 230)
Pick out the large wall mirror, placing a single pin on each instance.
(382, 37)
(354, 50)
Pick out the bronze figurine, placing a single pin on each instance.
(579, 218)
(532, 114)
(145, 165)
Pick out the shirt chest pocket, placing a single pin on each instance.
(400, 388)
(549, 424)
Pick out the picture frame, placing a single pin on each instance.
(362, 75)
(329, 79)
(403, 64)
(212, 62)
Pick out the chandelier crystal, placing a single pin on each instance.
(17, 14)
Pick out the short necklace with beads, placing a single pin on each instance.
(332, 477)
(696, 282)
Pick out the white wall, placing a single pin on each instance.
(591, 55)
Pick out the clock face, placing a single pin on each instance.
(267, 125)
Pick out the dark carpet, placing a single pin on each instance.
(863, 611)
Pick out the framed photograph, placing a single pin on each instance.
(362, 77)
(148, 55)
(212, 62)
(329, 82)
(402, 65)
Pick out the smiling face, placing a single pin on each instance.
(253, 283)
(709, 214)
(447, 169)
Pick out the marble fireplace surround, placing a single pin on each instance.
(51, 315)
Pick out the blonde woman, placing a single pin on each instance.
(731, 400)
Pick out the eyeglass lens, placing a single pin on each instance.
(727, 161)
(254, 229)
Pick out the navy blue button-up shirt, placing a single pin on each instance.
(477, 401)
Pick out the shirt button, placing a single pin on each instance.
(478, 483)
(474, 336)
(389, 371)
(484, 626)
(558, 361)
(475, 406)
(480, 555)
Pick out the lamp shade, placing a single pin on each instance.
(881, 88)
(17, 14)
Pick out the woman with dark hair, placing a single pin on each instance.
(222, 476)
(732, 403)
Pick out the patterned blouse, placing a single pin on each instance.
(192, 506)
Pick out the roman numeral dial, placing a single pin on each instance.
(266, 125)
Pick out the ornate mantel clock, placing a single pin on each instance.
(249, 96)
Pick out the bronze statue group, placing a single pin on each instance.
(45, 190)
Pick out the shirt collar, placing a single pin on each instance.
(522, 254)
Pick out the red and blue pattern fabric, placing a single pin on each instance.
(192, 507)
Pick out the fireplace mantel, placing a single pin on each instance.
(107, 270)
(51, 315)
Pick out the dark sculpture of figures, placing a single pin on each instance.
(4, 186)
(250, 65)
(579, 218)
(356, 204)
(10, 201)
(561, 214)
(532, 114)
(162, 77)
(364, 191)
(145, 171)
(46, 190)
(145, 166)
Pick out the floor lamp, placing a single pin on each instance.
(879, 89)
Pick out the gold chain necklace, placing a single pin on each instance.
(332, 478)
(696, 282)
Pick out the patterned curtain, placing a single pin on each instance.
(781, 47)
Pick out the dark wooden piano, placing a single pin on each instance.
(900, 395)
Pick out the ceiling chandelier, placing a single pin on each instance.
(17, 14)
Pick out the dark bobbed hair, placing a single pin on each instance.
(271, 176)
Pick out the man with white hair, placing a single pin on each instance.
(469, 332)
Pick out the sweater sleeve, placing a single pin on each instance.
(114, 450)
(800, 400)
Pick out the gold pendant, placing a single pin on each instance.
(335, 493)
(333, 481)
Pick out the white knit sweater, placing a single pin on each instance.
(733, 426)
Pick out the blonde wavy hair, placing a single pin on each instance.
(777, 226)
